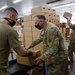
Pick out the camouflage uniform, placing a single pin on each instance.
(56, 52)
(71, 47)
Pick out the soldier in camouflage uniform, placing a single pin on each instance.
(9, 39)
(54, 43)
(71, 47)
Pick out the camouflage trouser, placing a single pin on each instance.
(71, 49)
(59, 69)
(4, 72)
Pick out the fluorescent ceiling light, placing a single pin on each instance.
(3, 7)
(63, 6)
(16, 1)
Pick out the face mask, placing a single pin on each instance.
(10, 23)
(38, 26)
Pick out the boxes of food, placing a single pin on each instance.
(52, 11)
(27, 18)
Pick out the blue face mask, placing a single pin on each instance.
(10, 23)
(38, 26)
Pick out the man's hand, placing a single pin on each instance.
(38, 60)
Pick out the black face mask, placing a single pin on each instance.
(10, 23)
(38, 26)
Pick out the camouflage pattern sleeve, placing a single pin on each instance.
(72, 26)
(52, 43)
(36, 42)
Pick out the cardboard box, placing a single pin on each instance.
(49, 20)
(52, 11)
(39, 10)
(54, 16)
(28, 39)
(33, 23)
(28, 34)
(67, 14)
(20, 38)
(50, 16)
(36, 34)
(54, 22)
(58, 17)
(27, 23)
(58, 22)
(27, 60)
(68, 31)
(62, 25)
(27, 18)
(20, 35)
(21, 41)
(28, 28)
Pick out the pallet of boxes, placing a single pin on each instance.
(31, 33)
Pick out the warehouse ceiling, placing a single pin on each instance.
(24, 6)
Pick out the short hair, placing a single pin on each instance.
(9, 10)
(40, 17)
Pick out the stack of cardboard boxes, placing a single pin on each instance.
(20, 31)
(65, 30)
